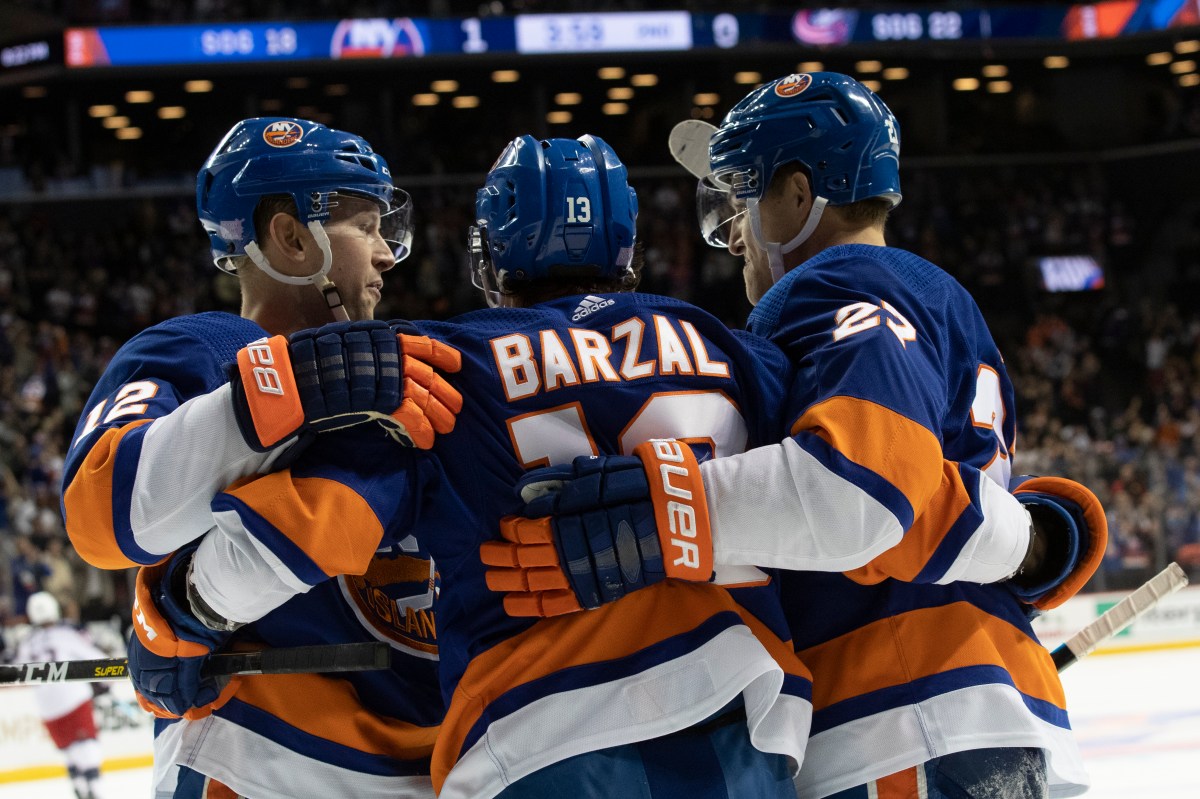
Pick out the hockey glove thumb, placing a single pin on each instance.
(170, 646)
(600, 528)
(1070, 533)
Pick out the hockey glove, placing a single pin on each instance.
(170, 646)
(343, 374)
(610, 525)
(1070, 533)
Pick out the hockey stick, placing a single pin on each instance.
(1119, 616)
(368, 656)
(689, 145)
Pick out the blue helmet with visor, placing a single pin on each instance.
(838, 130)
(307, 161)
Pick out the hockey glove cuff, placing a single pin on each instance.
(608, 525)
(170, 646)
(1070, 533)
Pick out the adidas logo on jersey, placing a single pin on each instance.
(589, 305)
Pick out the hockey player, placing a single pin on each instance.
(65, 708)
(687, 688)
(925, 684)
(287, 204)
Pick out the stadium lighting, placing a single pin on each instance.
(995, 71)
(999, 87)
(172, 112)
(966, 84)
(868, 66)
(427, 98)
(873, 85)
(444, 86)
(1181, 67)
(706, 98)
(296, 83)
(645, 79)
(1056, 62)
(558, 117)
(33, 92)
(506, 76)
(1158, 59)
(810, 66)
(611, 73)
(747, 78)
(615, 109)
(337, 90)
(895, 73)
(198, 86)
(1189, 80)
(1187, 46)
(465, 101)
(101, 111)
(112, 123)
(568, 98)
(129, 133)
(139, 96)
(273, 105)
(620, 93)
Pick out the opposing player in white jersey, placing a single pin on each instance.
(197, 403)
(65, 707)
(927, 678)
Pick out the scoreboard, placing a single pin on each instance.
(601, 32)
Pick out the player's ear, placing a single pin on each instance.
(800, 188)
(289, 237)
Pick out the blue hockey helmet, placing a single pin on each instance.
(554, 208)
(838, 129)
(306, 160)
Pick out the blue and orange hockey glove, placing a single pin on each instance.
(343, 374)
(1070, 534)
(170, 646)
(608, 525)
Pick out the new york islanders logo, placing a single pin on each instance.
(283, 133)
(793, 85)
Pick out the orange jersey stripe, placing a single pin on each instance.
(331, 522)
(874, 437)
(330, 709)
(611, 632)
(905, 560)
(88, 503)
(948, 637)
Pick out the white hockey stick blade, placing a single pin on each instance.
(1120, 616)
(689, 145)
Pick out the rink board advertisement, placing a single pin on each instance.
(27, 753)
(1173, 622)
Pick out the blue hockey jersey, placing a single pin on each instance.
(896, 368)
(157, 461)
(541, 385)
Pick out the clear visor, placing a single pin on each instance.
(395, 225)
(717, 210)
(395, 217)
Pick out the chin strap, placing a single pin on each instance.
(319, 278)
(775, 250)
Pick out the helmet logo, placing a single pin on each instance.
(283, 133)
(793, 85)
